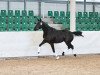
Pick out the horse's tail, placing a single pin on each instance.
(78, 33)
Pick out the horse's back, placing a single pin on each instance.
(57, 36)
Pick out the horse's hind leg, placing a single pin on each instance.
(53, 49)
(70, 46)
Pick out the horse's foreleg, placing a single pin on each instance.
(43, 42)
(53, 49)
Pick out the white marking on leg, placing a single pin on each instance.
(38, 50)
(75, 53)
(72, 52)
(65, 51)
(57, 57)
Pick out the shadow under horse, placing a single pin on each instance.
(52, 35)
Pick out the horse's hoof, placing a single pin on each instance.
(63, 54)
(57, 57)
(75, 55)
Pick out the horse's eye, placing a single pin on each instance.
(41, 23)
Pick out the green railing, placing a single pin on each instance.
(25, 20)
(85, 21)
(17, 21)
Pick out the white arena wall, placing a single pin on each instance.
(19, 44)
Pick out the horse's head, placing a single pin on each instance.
(38, 25)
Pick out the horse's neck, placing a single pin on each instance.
(46, 28)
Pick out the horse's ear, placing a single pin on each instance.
(38, 19)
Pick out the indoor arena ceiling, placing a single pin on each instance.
(56, 1)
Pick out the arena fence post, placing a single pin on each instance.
(72, 15)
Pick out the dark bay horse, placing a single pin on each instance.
(51, 36)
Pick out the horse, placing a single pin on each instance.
(52, 35)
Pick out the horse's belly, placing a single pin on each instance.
(55, 39)
(58, 40)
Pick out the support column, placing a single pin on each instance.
(24, 4)
(8, 5)
(84, 5)
(68, 6)
(93, 4)
(72, 15)
(43, 4)
(39, 8)
(93, 7)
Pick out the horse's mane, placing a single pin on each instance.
(47, 26)
(51, 28)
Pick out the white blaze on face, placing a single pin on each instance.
(40, 23)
